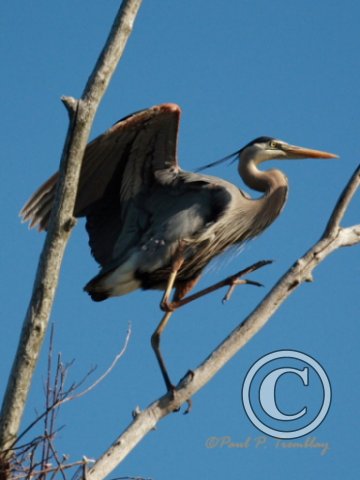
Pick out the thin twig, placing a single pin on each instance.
(64, 397)
(48, 470)
(48, 420)
(106, 373)
(59, 463)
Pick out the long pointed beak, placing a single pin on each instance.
(301, 152)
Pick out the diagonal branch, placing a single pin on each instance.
(343, 203)
(81, 114)
(334, 237)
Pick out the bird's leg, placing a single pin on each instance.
(232, 281)
(155, 343)
(167, 307)
(177, 263)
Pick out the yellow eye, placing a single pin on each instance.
(274, 144)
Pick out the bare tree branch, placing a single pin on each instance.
(334, 237)
(105, 374)
(343, 203)
(39, 458)
(81, 114)
(57, 395)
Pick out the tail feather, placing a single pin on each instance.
(111, 284)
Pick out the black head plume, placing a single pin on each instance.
(232, 157)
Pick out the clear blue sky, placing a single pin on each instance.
(238, 69)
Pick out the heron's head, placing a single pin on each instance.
(267, 148)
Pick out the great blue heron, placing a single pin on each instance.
(152, 225)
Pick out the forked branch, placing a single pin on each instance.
(334, 237)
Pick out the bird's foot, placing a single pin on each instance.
(189, 406)
(171, 389)
(171, 392)
(189, 375)
(234, 283)
(236, 279)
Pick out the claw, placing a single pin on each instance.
(189, 406)
(237, 282)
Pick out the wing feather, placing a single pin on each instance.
(123, 150)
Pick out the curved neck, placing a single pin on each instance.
(261, 181)
(274, 185)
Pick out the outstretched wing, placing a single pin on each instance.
(117, 167)
(149, 134)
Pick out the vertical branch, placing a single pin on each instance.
(81, 114)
